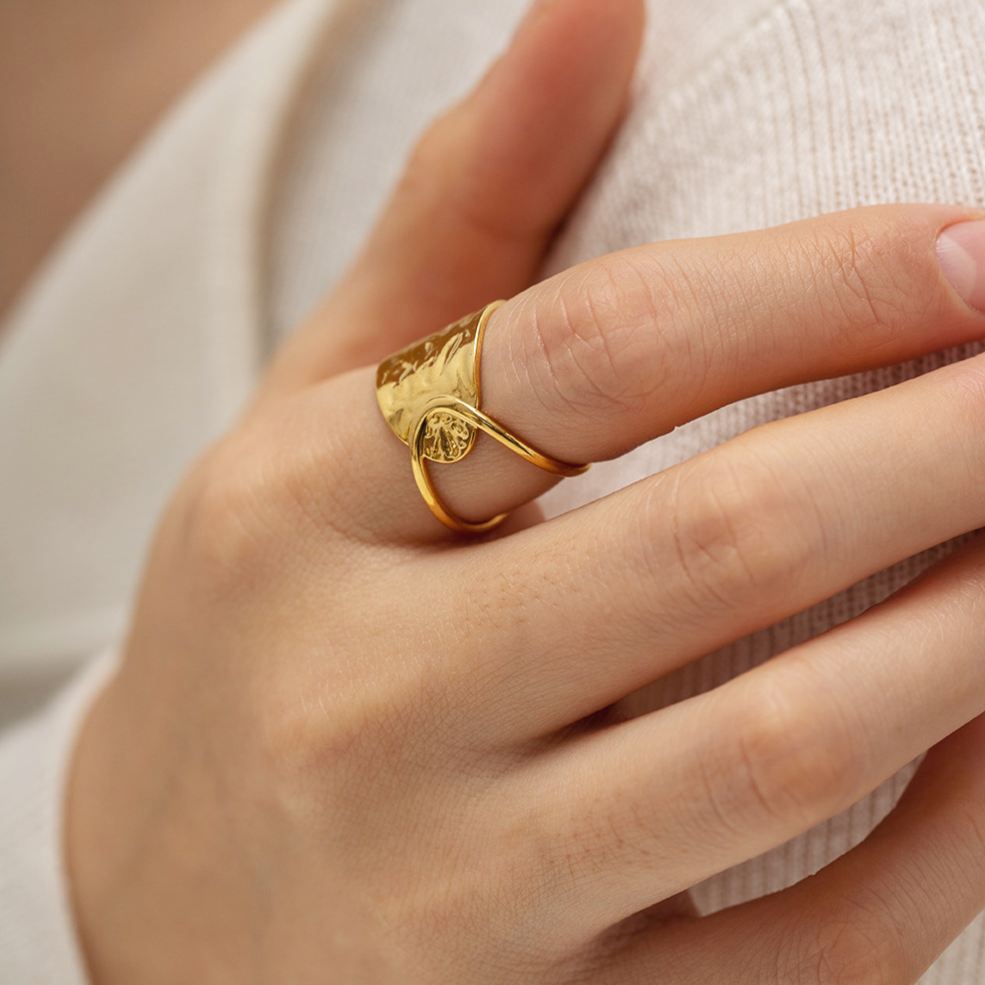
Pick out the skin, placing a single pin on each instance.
(346, 745)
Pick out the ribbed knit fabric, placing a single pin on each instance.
(37, 939)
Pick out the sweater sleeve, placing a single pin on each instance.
(37, 935)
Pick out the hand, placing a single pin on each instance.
(349, 746)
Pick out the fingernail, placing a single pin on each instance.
(961, 251)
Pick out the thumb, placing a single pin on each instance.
(484, 191)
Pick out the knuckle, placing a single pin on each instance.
(847, 943)
(245, 504)
(438, 179)
(737, 529)
(325, 736)
(586, 339)
(869, 283)
(452, 177)
(223, 525)
(428, 157)
(967, 389)
(791, 761)
(303, 736)
(331, 721)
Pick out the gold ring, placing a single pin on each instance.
(429, 395)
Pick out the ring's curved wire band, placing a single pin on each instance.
(429, 394)
(472, 415)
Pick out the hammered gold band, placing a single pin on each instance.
(429, 394)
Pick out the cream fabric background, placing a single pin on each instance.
(141, 338)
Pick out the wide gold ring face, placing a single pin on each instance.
(429, 395)
(445, 364)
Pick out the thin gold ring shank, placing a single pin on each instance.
(477, 419)
(429, 394)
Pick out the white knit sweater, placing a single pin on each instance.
(142, 336)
